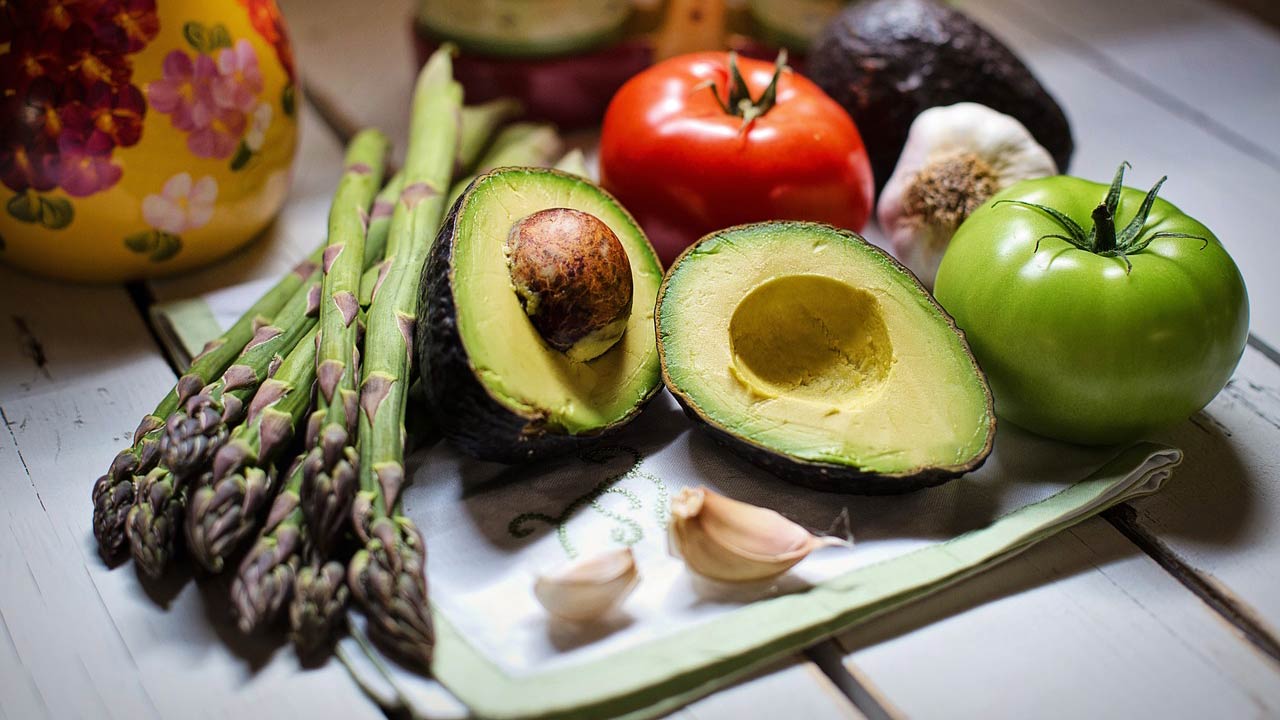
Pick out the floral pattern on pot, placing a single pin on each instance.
(212, 94)
(140, 137)
(68, 100)
(181, 205)
(266, 20)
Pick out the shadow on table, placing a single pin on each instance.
(1050, 561)
(1210, 498)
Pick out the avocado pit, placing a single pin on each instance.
(573, 279)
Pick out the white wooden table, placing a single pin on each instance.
(1168, 607)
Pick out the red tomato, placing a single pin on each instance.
(685, 166)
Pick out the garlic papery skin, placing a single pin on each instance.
(956, 157)
(732, 541)
(590, 588)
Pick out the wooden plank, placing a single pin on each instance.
(1229, 189)
(339, 44)
(19, 694)
(77, 368)
(1197, 58)
(796, 688)
(1219, 514)
(1078, 626)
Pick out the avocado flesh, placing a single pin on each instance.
(506, 353)
(802, 341)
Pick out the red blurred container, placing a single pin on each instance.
(564, 59)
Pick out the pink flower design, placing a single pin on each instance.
(84, 164)
(239, 79)
(186, 94)
(181, 205)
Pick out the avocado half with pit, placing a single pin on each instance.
(536, 330)
(818, 357)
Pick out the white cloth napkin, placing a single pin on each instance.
(490, 529)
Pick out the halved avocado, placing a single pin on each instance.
(818, 357)
(497, 388)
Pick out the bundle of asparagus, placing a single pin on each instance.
(323, 356)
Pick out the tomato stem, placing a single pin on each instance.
(739, 102)
(1104, 229)
(1103, 239)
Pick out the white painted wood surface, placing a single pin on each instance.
(1085, 624)
(1078, 626)
(79, 640)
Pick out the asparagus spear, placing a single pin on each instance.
(478, 125)
(196, 431)
(153, 520)
(574, 162)
(114, 492)
(226, 510)
(517, 144)
(238, 468)
(320, 598)
(387, 576)
(193, 436)
(329, 471)
(265, 578)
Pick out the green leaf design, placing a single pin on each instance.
(194, 33)
(218, 37)
(206, 39)
(56, 212)
(156, 244)
(166, 246)
(24, 207)
(288, 99)
(241, 157)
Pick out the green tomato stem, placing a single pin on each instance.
(1104, 227)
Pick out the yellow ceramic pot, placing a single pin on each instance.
(141, 137)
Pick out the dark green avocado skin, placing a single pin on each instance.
(886, 61)
(827, 477)
(460, 407)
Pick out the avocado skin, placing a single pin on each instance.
(886, 61)
(827, 477)
(461, 408)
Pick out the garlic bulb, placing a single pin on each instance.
(955, 159)
(732, 541)
(589, 588)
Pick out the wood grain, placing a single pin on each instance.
(88, 641)
(1079, 626)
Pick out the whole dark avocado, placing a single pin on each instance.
(887, 61)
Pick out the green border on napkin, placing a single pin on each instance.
(662, 675)
(184, 326)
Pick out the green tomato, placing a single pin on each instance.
(1100, 333)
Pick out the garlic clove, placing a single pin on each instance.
(955, 158)
(589, 588)
(729, 540)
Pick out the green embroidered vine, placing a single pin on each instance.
(628, 531)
